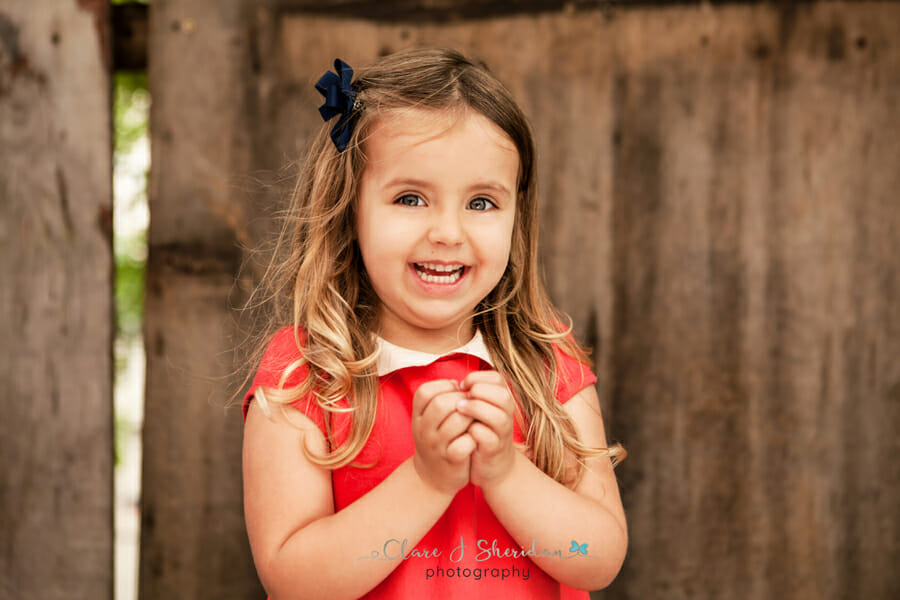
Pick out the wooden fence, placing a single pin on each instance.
(56, 311)
(720, 216)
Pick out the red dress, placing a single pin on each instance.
(478, 558)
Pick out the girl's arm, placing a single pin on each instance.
(535, 509)
(302, 547)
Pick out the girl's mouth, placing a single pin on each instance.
(438, 273)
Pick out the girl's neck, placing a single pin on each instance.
(432, 341)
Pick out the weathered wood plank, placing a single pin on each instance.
(56, 313)
(192, 539)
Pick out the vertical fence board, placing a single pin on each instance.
(193, 544)
(56, 313)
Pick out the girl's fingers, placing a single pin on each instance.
(454, 424)
(495, 418)
(485, 438)
(498, 395)
(441, 407)
(489, 402)
(428, 392)
(492, 377)
(489, 386)
(440, 410)
(461, 448)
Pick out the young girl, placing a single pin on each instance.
(423, 425)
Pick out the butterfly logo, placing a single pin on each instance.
(578, 548)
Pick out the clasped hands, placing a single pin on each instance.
(463, 431)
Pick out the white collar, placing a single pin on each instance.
(393, 358)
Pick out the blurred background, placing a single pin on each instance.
(719, 215)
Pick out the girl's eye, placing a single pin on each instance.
(410, 200)
(482, 204)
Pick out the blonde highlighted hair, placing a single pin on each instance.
(318, 282)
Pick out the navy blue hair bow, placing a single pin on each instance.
(340, 99)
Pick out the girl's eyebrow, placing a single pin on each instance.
(408, 182)
(421, 183)
(491, 185)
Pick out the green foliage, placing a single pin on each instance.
(130, 117)
(129, 293)
(130, 103)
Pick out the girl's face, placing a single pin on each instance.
(437, 205)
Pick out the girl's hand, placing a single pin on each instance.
(490, 403)
(443, 445)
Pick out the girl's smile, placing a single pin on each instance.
(439, 274)
(435, 217)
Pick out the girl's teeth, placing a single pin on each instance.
(452, 273)
(437, 267)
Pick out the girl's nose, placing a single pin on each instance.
(446, 229)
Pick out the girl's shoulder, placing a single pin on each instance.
(286, 342)
(283, 354)
(572, 374)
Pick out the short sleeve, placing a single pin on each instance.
(572, 375)
(281, 353)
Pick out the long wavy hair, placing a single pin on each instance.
(319, 284)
